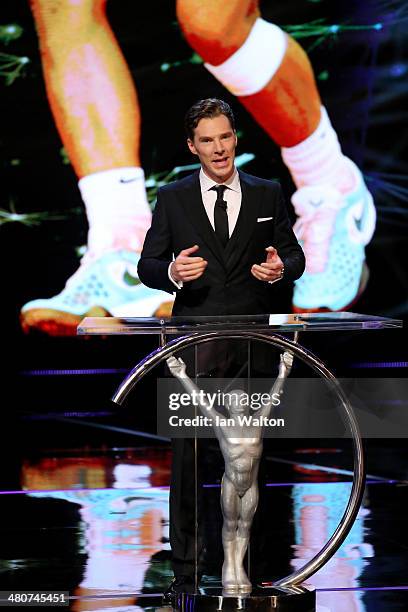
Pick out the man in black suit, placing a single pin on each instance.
(220, 239)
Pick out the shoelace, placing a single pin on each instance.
(315, 226)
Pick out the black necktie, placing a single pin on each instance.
(220, 215)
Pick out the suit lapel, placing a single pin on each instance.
(195, 212)
(246, 222)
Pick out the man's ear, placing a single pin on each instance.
(191, 146)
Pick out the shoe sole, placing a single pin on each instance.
(60, 323)
(56, 322)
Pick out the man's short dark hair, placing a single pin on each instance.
(206, 109)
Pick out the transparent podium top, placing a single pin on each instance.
(322, 321)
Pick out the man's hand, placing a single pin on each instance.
(186, 268)
(271, 269)
(177, 367)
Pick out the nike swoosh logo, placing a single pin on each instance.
(358, 221)
(131, 180)
(130, 280)
(357, 213)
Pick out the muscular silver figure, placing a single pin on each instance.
(241, 446)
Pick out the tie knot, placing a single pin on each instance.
(220, 190)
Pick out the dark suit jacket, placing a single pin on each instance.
(227, 286)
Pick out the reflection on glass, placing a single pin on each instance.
(120, 529)
(317, 509)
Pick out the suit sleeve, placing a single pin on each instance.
(285, 242)
(157, 252)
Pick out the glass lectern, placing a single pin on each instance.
(240, 334)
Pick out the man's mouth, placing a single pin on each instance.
(220, 163)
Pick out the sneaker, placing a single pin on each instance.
(103, 286)
(333, 229)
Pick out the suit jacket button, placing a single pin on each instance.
(227, 284)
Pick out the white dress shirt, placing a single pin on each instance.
(232, 196)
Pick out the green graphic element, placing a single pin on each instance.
(9, 32)
(322, 31)
(29, 219)
(193, 59)
(12, 66)
(64, 156)
(130, 280)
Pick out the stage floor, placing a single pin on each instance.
(95, 523)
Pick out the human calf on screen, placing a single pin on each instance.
(241, 446)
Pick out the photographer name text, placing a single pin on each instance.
(219, 421)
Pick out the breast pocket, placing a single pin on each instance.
(264, 230)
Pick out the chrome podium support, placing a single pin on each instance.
(289, 585)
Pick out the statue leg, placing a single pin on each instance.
(249, 502)
(230, 504)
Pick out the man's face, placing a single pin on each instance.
(214, 143)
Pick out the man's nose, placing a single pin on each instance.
(219, 146)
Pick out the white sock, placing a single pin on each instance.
(252, 66)
(318, 160)
(117, 209)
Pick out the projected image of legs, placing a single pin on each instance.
(96, 110)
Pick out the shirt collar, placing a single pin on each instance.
(232, 183)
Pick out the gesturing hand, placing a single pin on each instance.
(186, 268)
(271, 269)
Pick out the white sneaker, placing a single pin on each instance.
(103, 286)
(333, 229)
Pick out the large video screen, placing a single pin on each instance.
(94, 95)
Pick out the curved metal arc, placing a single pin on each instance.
(150, 361)
(352, 508)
